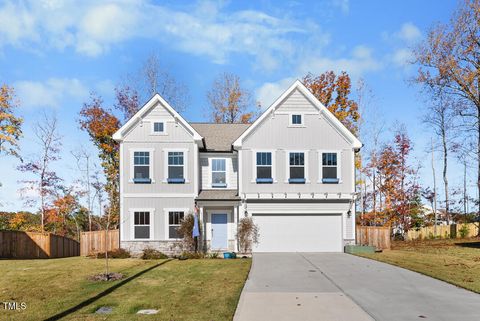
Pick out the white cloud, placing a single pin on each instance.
(344, 5)
(402, 57)
(51, 93)
(270, 91)
(104, 25)
(409, 32)
(360, 61)
(206, 28)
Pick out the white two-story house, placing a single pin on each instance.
(292, 171)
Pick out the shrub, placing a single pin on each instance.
(152, 254)
(247, 234)
(463, 231)
(114, 254)
(398, 237)
(213, 255)
(185, 230)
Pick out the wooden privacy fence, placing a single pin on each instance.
(443, 231)
(377, 236)
(34, 245)
(95, 242)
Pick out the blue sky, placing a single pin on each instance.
(55, 52)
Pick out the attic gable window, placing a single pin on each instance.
(158, 127)
(296, 120)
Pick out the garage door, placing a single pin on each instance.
(299, 233)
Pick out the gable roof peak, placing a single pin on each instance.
(156, 98)
(297, 84)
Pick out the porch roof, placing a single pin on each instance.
(218, 195)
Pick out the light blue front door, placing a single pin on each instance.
(219, 231)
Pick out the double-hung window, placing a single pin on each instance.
(174, 220)
(176, 168)
(329, 168)
(141, 167)
(141, 225)
(264, 168)
(219, 173)
(297, 168)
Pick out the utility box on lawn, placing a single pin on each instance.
(359, 249)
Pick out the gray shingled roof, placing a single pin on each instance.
(212, 195)
(219, 137)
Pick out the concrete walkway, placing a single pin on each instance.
(337, 286)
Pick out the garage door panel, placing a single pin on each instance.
(299, 232)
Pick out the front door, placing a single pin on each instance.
(219, 231)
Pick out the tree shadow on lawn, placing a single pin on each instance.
(102, 294)
(474, 245)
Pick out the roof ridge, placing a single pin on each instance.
(205, 123)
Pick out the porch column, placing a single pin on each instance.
(235, 226)
(204, 229)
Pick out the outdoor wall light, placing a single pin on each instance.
(349, 213)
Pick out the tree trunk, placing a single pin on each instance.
(465, 200)
(478, 161)
(374, 199)
(434, 196)
(445, 179)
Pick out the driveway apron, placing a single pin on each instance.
(338, 286)
(286, 286)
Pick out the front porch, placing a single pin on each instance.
(219, 214)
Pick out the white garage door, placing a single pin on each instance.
(299, 233)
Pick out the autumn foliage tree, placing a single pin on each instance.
(399, 185)
(10, 124)
(229, 102)
(100, 124)
(334, 92)
(60, 216)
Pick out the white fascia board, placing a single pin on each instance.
(356, 144)
(120, 134)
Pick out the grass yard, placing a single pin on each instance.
(205, 289)
(454, 261)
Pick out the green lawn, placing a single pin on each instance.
(205, 289)
(453, 261)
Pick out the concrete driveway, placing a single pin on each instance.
(337, 286)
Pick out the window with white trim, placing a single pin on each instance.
(329, 168)
(174, 220)
(264, 167)
(141, 167)
(158, 127)
(176, 167)
(297, 168)
(219, 172)
(141, 225)
(297, 119)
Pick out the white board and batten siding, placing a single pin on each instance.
(158, 196)
(300, 225)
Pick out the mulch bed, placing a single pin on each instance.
(106, 277)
